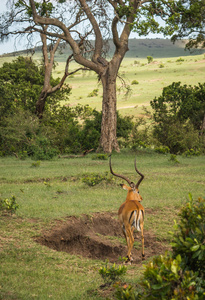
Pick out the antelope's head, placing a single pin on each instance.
(132, 189)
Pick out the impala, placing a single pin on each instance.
(131, 212)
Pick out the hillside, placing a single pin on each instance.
(141, 48)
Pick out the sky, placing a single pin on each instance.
(11, 45)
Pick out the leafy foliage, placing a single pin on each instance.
(21, 82)
(112, 273)
(164, 279)
(149, 59)
(188, 17)
(94, 179)
(190, 236)
(100, 156)
(181, 102)
(178, 116)
(9, 205)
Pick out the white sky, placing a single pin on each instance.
(11, 46)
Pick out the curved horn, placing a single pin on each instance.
(118, 175)
(142, 176)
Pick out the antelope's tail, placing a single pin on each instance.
(140, 218)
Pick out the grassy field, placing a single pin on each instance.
(151, 79)
(171, 63)
(50, 193)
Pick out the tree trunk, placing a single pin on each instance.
(40, 104)
(203, 126)
(108, 140)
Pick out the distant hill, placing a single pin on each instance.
(138, 48)
(159, 48)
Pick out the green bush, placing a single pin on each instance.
(42, 149)
(94, 179)
(173, 158)
(112, 273)
(93, 93)
(100, 156)
(150, 59)
(162, 149)
(139, 136)
(36, 164)
(191, 152)
(165, 279)
(9, 205)
(178, 116)
(18, 131)
(189, 237)
(180, 59)
(134, 82)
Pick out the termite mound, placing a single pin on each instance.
(97, 236)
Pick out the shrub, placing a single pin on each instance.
(43, 150)
(178, 116)
(36, 164)
(180, 59)
(135, 82)
(150, 59)
(177, 136)
(191, 152)
(139, 136)
(94, 179)
(112, 273)
(189, 236)
(182, 103)
(9, 205)
(100, 156)
(173, 158)
(162, 149)
(164, 279)
(93, 93)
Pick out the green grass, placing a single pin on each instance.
(151, 80)
(151, 77)
(55, 190)
(29, 270)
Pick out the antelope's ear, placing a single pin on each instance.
(124, 186)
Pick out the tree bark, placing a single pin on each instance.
(40, 104)
(203, 126)
(108, 139)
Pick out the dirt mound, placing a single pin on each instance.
(97, 237)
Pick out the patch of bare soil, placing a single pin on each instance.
(96, 237)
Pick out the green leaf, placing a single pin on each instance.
(196, 254)
(195, 248)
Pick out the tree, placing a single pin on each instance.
(179, 116)
(187, 19)
(48, 60)
(80, 22)
(21, 82)
(84, 21)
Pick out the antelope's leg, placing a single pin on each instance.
(125, 234)
(130, 238)
(142, 231)
(126, 238)
(132, 220)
